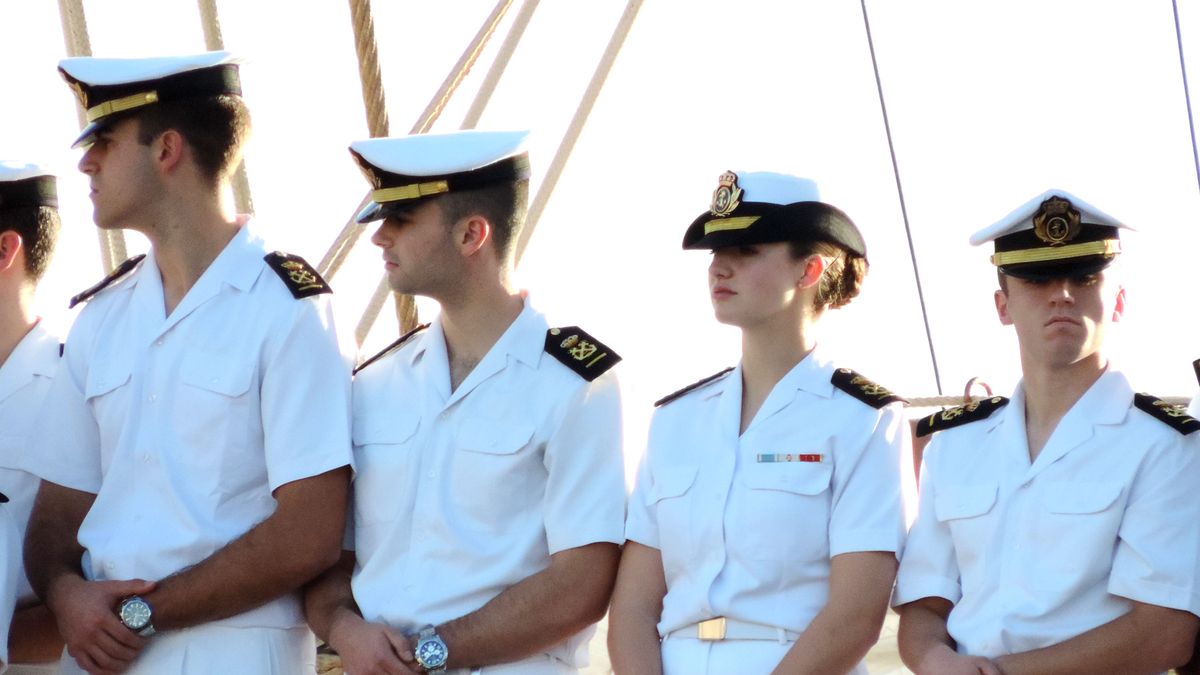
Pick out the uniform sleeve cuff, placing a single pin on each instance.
(1150, 593)
(856, 541)
(909, 590)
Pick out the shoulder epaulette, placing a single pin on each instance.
(62, 348)
(691, 387)
(1196, 367)
(580, 352)
(963, 414)
(120, 271)
(299, 277)
(391, 348)
(874, 395)
(1174, 416)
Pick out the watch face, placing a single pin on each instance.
(135, 614)
(431, 652)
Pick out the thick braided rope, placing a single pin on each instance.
(214, 41)
(75, 35)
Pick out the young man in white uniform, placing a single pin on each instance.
(1058, 532)
(196, 436)
(29, 352)
(489, 493)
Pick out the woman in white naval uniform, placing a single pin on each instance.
(763, 531)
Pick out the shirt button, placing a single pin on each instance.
(432, 474)
(146, 457)
(152, 398)
(158, 343)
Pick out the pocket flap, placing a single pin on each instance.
(225, 377)
(385, 429)
(104, 379)
(966, 501)
(672, 482)
(800, 478)
(1081, 497)
(494, 438)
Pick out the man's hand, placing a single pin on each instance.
(87, 619)
(370, 648)
(945, 661)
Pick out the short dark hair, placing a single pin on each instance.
(215, 127)
(503, 205)
(1002, 279)
(843, 277)
(38, 227)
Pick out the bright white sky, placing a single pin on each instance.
(990, 102)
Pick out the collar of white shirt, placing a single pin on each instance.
(35, 355)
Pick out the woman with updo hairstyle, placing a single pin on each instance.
(763, 530)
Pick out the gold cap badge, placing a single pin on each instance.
(727, 196)
(1056, 222)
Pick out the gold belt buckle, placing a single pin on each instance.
(712, 629)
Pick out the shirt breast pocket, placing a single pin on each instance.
(670, 501)
(215, 417)
(1083, 519)
(385, 481)
(493, 475)
(785, 513)
(107, 391)
(965, 510)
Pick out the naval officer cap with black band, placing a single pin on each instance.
(762, 207)
(108, 88)
(405, 170)
(24, 185)
(1053, 235)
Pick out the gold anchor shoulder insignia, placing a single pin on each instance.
(691, 387)
(1174, 416)
(874, 395)
(390, 348)
(113, 276)
(963, 414)
(580, 352)
(299, 277)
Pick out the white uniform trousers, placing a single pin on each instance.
(209, 649)
(689, 656)
(33, 669)
(542, 664)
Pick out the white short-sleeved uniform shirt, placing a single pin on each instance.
(25, 379)
(744, 532)
(1032, 554)
(184, 425)
(460, 495)
(10, 575)
(1194, 408)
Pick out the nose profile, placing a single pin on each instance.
(87, 164)
(718, 266)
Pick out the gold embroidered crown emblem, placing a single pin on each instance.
(1056, 222)
(727, 197)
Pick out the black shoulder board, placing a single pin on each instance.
(300, 277)
(390, 348)
(695, 385)
(1175, 416)
(972, 412)
(121, 270)
(861, 388)
(580, 352)
(62, 348)
(3, 498)
(1196, 367)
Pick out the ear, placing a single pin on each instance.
(1119, 310)
(11, 248)
(1001, 299)
(169, 149)
(471, 233)
(814, 268)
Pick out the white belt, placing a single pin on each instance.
(722, 628)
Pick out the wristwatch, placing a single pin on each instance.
(431, 651)
(137, 616)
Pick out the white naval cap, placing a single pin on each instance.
(1055, 234)
(408, 168)
(759, 207)
(107, 87)
(23, 185)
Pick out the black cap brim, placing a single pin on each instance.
(771, 223)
